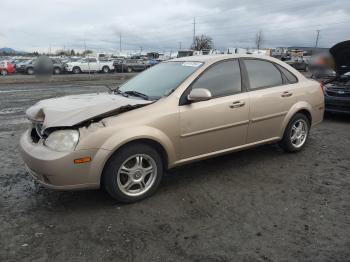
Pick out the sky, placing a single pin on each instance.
(161, 25)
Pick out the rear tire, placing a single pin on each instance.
(3, 72)
(296, 133)
(129, 70)
(133, 173)
(105, 69)
(76, 70)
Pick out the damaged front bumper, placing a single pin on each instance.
(57, 170)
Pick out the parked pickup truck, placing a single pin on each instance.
(91, 64)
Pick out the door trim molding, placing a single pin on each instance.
(258, 119)
(224, 151)
(215, 128)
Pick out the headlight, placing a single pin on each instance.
(62, 140)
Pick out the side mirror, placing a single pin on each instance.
(199, 94)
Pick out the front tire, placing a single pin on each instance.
(296, 133)
(129, 70)
(133, 173)
(57, 71)
(30, 71)
(3, 72)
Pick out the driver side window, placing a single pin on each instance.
(222, 79)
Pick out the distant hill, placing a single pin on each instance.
(9, 50)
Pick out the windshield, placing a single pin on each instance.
(161, 79)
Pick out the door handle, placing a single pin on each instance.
(237, 104)
(286, 94)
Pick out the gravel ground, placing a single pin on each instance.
(255, 205)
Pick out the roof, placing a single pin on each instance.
(214, 58)
(209, 59)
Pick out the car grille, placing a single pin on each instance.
(338, 92)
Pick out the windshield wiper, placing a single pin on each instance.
(118, 92)
(135, 93)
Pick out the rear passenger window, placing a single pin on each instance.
(222, 79)
(262, 74)
(289, 76)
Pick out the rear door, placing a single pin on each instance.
(271, 97)
(220, 123)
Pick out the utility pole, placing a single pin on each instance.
(87, 59)
(120, 44)
(194, 30)
(317, 38)
(180, 43)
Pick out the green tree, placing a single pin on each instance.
(87, 52)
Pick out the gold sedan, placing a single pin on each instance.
(176, 112)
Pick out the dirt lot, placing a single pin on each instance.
(256, 205)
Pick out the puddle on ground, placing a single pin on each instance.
(11, 110)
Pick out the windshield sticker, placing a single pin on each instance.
(193, 64)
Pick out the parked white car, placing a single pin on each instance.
(89, 64)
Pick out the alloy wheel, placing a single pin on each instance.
(137, 175)
(299, 133)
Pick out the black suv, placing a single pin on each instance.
(29, 67)
(130, 65)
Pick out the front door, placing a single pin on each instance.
(220, 123)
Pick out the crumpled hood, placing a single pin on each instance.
(74, 109)
(341, 56)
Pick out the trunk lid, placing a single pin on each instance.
(341, 56)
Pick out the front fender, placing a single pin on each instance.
(125, 136)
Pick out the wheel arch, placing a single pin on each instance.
(301, 107)
(148, 141)
(76, 66)
(306, 113)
